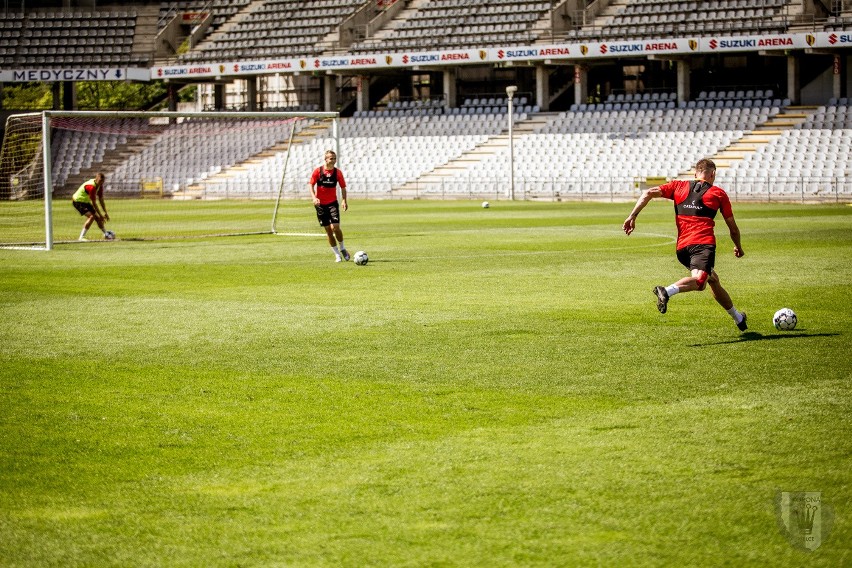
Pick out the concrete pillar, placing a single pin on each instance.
(794, 87)
(69, 95)
(450, 95)
(329, 90)
(251, 93)
(56, 95)
(581, 84)
(172, 91)
(684, 70)
(218, 96)
(363, 100)
(542, 87)
(837, 83)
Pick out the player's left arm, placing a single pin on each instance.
(342, 183)
(734, 230)
(728, 214)
(101, 199)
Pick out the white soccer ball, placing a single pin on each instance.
(109, 235)
(485, 205)
(361, 258)
(785, 319)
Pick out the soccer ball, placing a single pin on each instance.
(109, 235)
(785, 319)
(485, 205)
(361, 258)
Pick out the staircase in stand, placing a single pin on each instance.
(196, 190)
(494, 145)
(763, 134)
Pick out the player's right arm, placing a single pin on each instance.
(312, 183)
(644, 199)
(94, 196)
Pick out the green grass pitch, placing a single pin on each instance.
(495, 388)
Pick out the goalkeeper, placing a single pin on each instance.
(86, 199)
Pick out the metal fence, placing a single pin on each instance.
(810, 189)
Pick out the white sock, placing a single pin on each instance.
(672, 290)
(341, 245)
(83, 232)
(336, 252)
(736, 314)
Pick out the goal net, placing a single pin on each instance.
(168, 174)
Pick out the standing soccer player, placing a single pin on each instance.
(85, 200)
(323, 185)
(696, 204)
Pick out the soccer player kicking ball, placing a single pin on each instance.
(696, 204)
(323, 185)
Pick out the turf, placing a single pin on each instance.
(495, 388)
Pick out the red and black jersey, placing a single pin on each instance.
(327, 182)
(696, 204)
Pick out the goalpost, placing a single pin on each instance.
(168, 174)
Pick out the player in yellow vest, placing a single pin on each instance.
(85, 200)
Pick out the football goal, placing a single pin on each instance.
(168, 174)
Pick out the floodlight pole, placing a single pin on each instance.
(510, 91)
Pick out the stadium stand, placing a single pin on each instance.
(221, 10)
(79, 38)
(600, 152)
(275, 28)
(803, 160)
(451, 24)
(649, 18)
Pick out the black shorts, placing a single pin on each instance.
(701, 257)
(83, 208)
(328, 214)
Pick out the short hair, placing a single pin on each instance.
(332, 152)
(705, 165)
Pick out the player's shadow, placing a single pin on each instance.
(757, 336)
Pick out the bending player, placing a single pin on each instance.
(85, 200)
